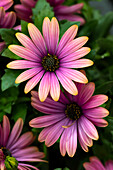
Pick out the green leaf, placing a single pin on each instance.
(64, 26)
(105, 45)
(8, 79)
(19, 111)
(42, 10)
(104, 88)
(8, 35)
(88, 28)
(24, 27)
(8, 99)
(104, 25)
(9, 54)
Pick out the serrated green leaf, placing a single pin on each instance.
(24, 27)
(8, 35)
(41, 10)
(8, 79)
(9, 54)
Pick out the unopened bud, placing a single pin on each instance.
(11, 163)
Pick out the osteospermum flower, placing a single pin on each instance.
(96, 164)
(7, 19)
(49, 61)
(24, 10)
(71, 117)
(15, 149)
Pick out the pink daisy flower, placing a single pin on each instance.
(71, 117)
(24, 10)
(7, 19)
(16, 147)
(96, 164)
(51, 62)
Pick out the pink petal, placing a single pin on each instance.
(26, 41)
(33, 82)
(81, 63)
(75, 75)
(73, 46)
(43, 134)
(54, 87)
(24, 53)
(54, 35)
(6, 129)
(45, 121)
(25, 140)
(83, 145)
(98, 122)
(10, 20)
(6, 4)
(76, 55)
(86, 140)
(63, 143)
(98, 112)
(95, 101)
(21, 165)
(71, 143)
(88, 128)
(55, 133)
(67, 37)
(109, 165)
(96, 163)
(15, 133)
(86, 93)
(2, 15)
(46, 32)
(67, 83)
(22, 64)
(44, 87)
(61, 9)
(37, 38)
(88, 166)
(27, 74)
(71, 17)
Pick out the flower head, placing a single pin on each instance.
(96, 164)
(24, 10)
(51, 62)
(7, 19)
(15, 149)
(71, 117)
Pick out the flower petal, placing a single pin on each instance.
(73, 46)
(27, 74)
(76, 55)
(15, 133)
(6, 4)
(33, 82)
(26, 41)
(67, 37)
(44, 87)
(88, 128)
(75, 75)
(98, 112)
(6, 129)
(85, 93)
(95, 101)
(37, 38)
(67, 83)
(81, 63)
(22, 64)
(54, 35)
(24, 53)
(9, 20)
(54, 87)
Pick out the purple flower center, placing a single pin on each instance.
(73, 111)
(50, 62)
(6, 152)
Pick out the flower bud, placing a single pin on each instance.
(11, 163)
